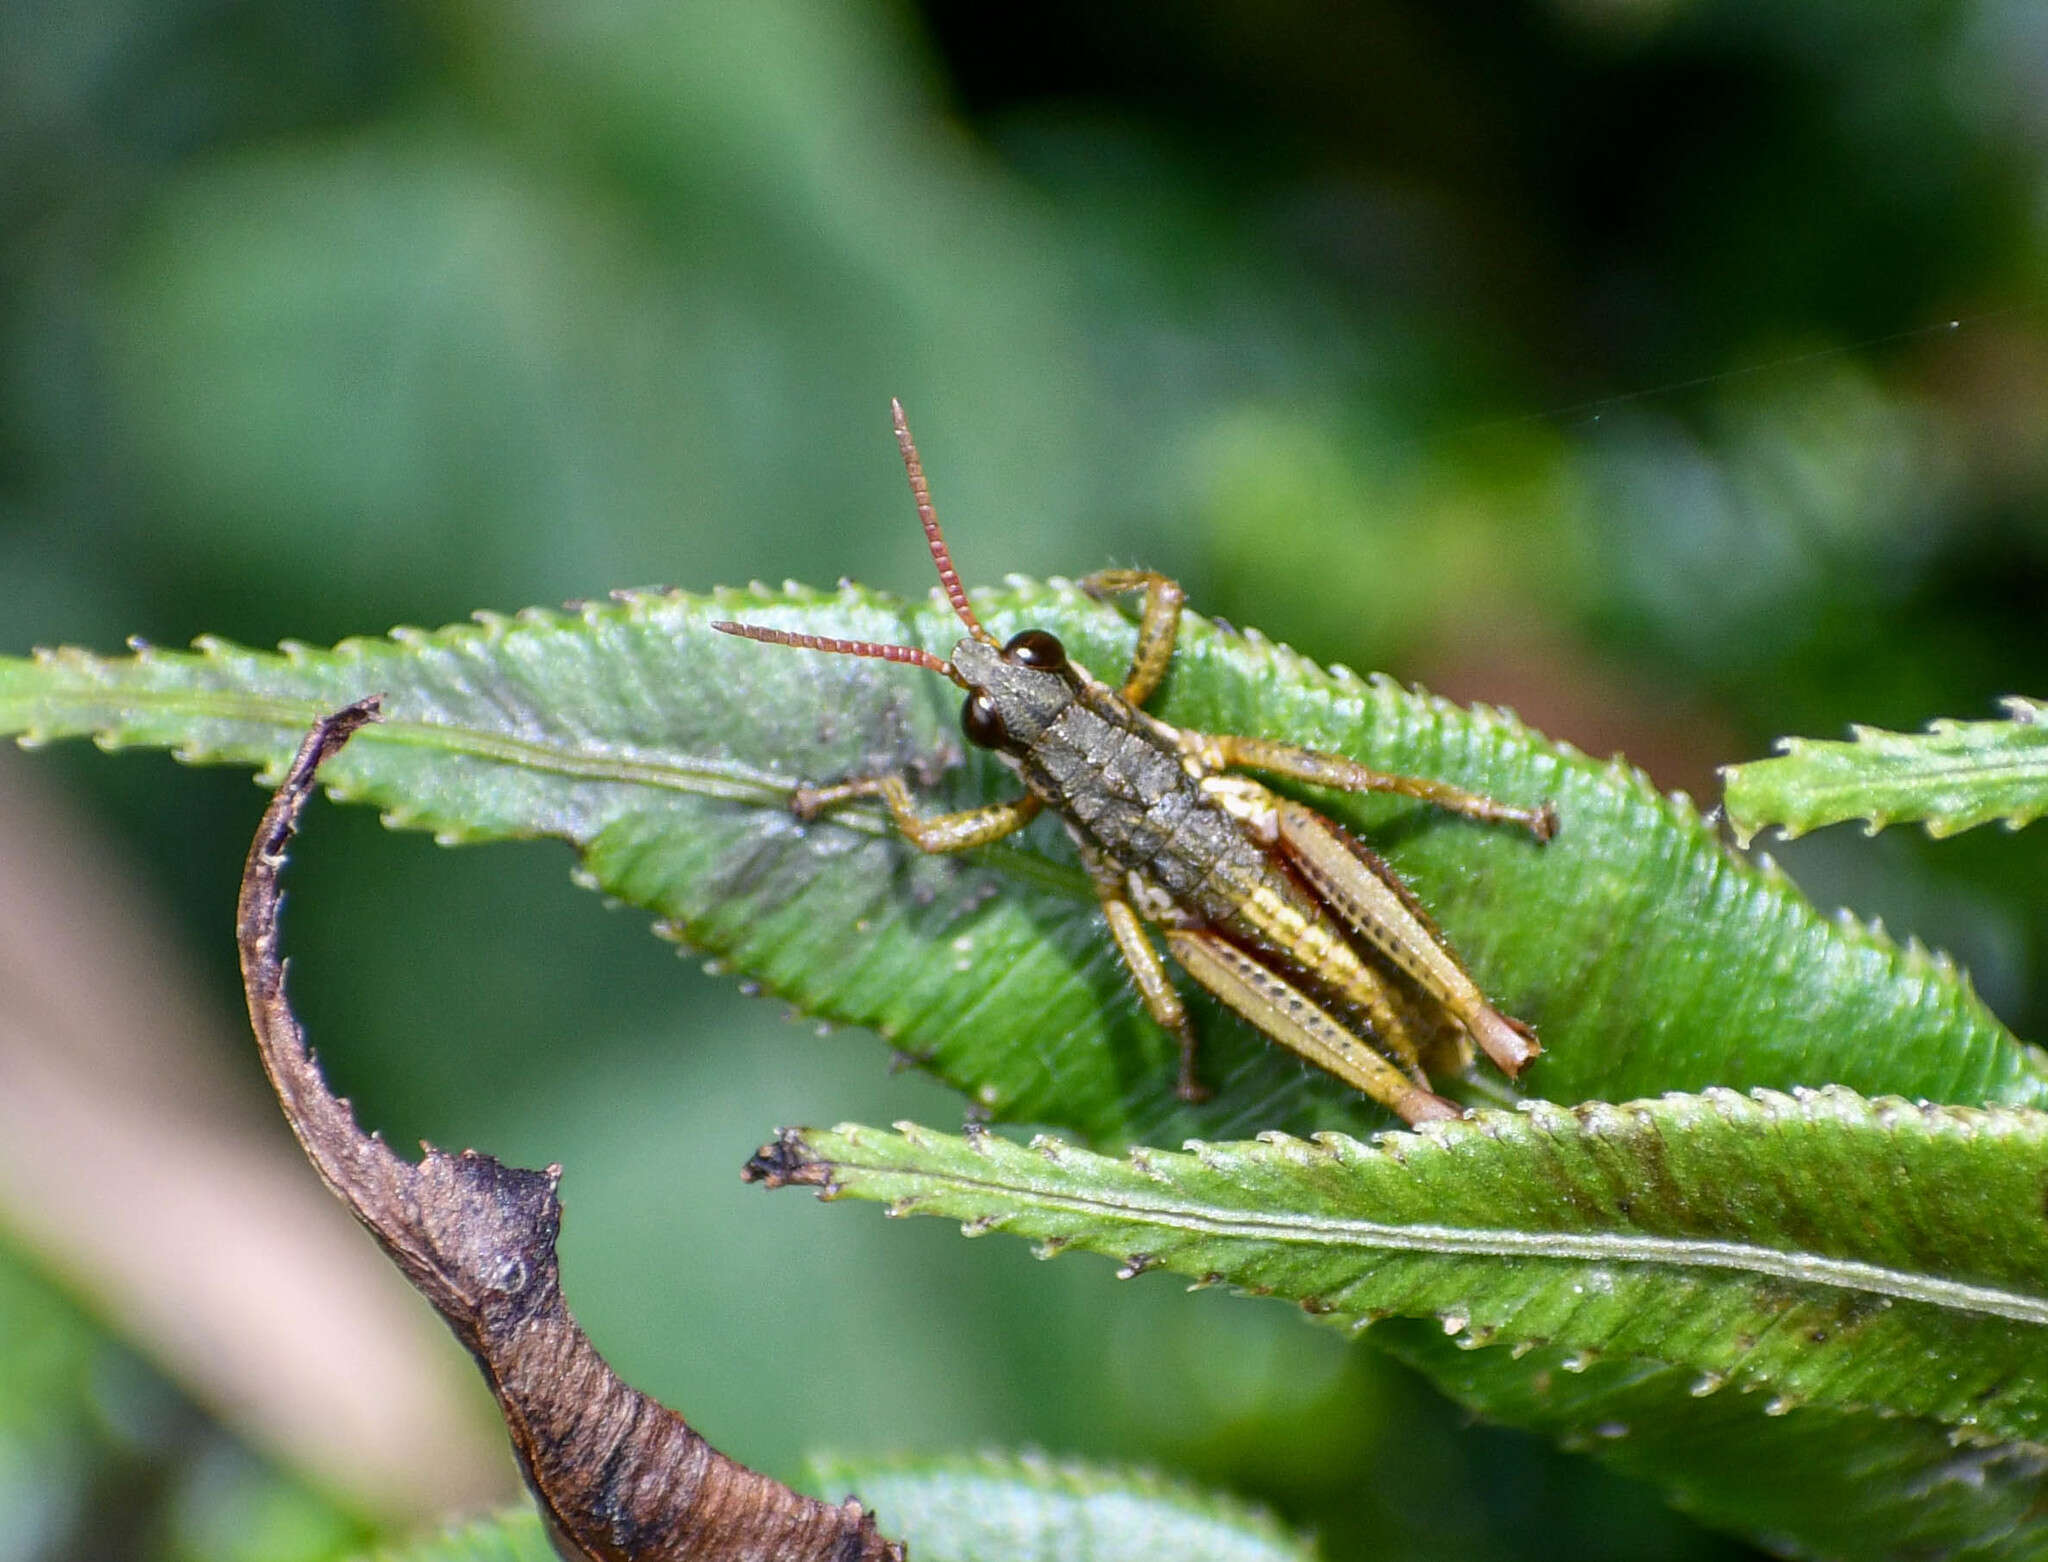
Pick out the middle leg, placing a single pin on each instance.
(1225, 751)
(1148, 972)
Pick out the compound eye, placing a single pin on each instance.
(982, 722)
(1036, 648)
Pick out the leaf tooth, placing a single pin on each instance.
(979, 1225)
(1049, 1248)
(1055, 1152)
(1296, 1151)
(1596, 1118)
(1546, 1116)
(1341, 1149)
(1136, 1264)
(357, 648)
(1895, 1113)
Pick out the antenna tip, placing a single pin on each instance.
(896, 415)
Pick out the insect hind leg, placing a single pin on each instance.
(1288, 1015)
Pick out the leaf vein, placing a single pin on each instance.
(1302, 1229)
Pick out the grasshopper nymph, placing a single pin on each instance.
(1273, 908)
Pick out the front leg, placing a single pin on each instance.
(935, 833)
(1157, 625)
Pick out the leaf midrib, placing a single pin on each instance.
(726, 781)
(2032, 765)
(704, 778)
(1303, 1229)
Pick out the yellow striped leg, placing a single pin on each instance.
(1290, 1017)
(1363, 891)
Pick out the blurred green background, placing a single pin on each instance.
(1672, 370)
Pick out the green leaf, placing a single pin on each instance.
(513, 1536)
(1814, 1480)
(994, 1508)
(1954, 776)
(1010, 1508)
(1648, 957)
(1645, 1280)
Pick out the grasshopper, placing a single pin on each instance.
(1276, 910)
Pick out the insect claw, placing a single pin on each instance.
(1510, 1043)
(1544, 825)
(1425, 1107)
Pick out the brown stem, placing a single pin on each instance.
(619, 1478)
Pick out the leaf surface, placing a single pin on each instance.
(991, 1508)
(513, 1536)
(1954, 776)
(1027, 1508)
(1847, 1298)
(1648, 957)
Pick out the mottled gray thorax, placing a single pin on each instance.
(1124, 787)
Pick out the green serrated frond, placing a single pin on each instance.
(1002, 1507)
(1954, 776)
(1647, 956)
(1818, 1318)
(1832, 1249)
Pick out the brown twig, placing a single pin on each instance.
(619, 1478)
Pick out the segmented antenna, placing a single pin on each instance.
(921, 492)
(875, 648)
